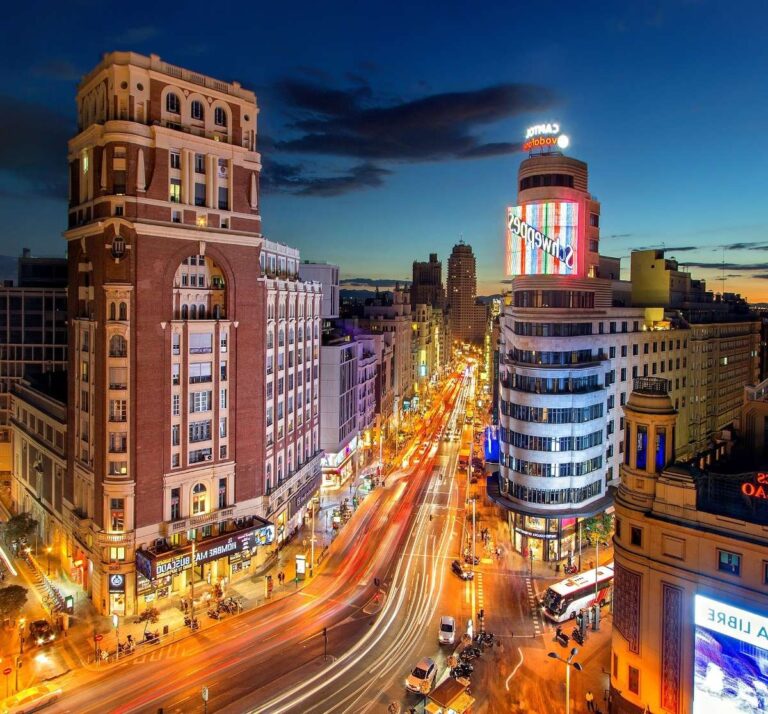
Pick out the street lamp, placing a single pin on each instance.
(22, 622)
(568, 664)
(48, 550)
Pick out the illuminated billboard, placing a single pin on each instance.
(731, 666)
(542, 238)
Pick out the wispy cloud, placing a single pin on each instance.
(746, 267)
(278, 177)
(374, 282)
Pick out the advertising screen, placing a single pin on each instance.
(542, 238)
(731, 666)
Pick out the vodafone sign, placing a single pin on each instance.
(543, 136)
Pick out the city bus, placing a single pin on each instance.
(562, 601)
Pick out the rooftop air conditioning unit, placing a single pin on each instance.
(209, 457)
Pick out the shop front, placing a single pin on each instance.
(299, 501)
(220, 559)
(547, 539)
(338, 467)
(116, 583)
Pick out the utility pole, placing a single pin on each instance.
(474, 502)
(312, 542)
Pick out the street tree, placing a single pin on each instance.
(598, 529)
(150, 616)
(12, 599)
(22, 525)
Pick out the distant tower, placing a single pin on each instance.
(427, 285)
(462, 290)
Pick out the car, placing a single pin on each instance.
(459, 570)
(447, 632)
(422, 676)
(30, 700)
(41, 632)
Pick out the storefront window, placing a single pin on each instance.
(199, 499)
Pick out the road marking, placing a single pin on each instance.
(514, 671)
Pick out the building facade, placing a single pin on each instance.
(427, 284)
(466, 317)
(328, 276)
(33, 333)
(570, 344)
(169, 302)
(690, 603)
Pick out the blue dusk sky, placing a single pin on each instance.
(391, 130)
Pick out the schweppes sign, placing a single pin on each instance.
(538, 240)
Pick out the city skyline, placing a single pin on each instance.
(428, 141)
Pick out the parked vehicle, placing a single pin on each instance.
(447, 633)
(563, 600)
(422, 676)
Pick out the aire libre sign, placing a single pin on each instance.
(749, 627)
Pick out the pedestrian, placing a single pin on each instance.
(590, 701)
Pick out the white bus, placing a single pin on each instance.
(563, 600)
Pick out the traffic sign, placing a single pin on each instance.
(98, 638)
(7, 671)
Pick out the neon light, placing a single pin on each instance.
(542, 238)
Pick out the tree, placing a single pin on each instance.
(598, 529)
(22, 525)
(150, 616)
(12, 599)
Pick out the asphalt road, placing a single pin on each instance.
(272, 659)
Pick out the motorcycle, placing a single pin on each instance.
(125, 648)
(570, 569)
(152, 637)
(469, 653)
(462, 670)
(560, 637)
(214, 614)
(191, 623)
(577, 637)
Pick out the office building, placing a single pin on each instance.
(466, 317)
(168, 454)
(427, 286)
(571, 342)
(328, 276)
(33, 332)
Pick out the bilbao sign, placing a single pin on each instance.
(758, 488)
(542, 238)
(545, 136)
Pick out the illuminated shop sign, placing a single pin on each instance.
(757, 488)
(542, 238)
(731, 658)
(544, 136)
(158, 565)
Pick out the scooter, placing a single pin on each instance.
(577, 637)
(570, 569)
(214, 614)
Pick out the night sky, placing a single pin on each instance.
(390, 130)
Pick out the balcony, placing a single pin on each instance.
(204, 519)
(201, 455)
(200, 379)
(113, 540)
(200, 350)
(286, 488)
(118, 386)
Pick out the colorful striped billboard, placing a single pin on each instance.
(542, 238)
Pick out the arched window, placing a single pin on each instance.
(217, 312)
(290, 336)
(184, 312)
(199, 499)
(193, 312)
(196, 110)
(269, 478)
(201, 312)
(270, 340)
(112, 311)
(220, 116)
(279, 470)
(301, 333)
(123, 311)
(172, 103)
(281, 338)
(118, 347)
(316, 330)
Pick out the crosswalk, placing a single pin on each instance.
(538, 623)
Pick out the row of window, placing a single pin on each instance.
(546, 415)
(554, 496)
(552, 385)
(554, 298)
(540, 180)
(553, 358)
(553, 329)
(551, 443)
(536, 468)
(196, 109)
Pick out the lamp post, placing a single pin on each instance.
(568, 664)
(116, 625)
(22, 622)
(48, 550)
(312, 542)
(192, 583)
